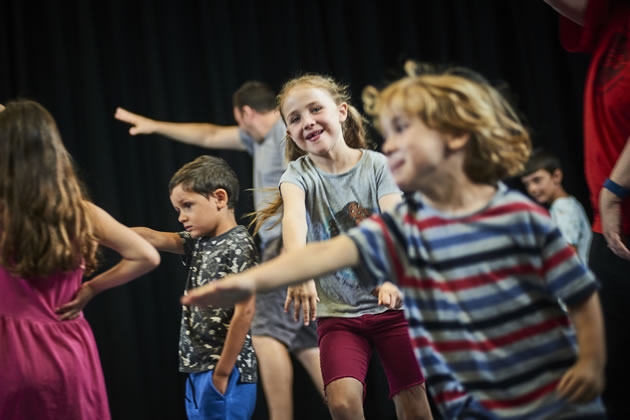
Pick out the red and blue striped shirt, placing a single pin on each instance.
(482, 295)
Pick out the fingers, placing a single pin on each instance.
(617, 246)
(68, 311)
(287, 301)
(313, 312)
(301, 303)
(123, 115)
(577, 388)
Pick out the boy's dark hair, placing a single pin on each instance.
(255, 94)
(205, 175)
(541, 159)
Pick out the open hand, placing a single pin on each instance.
(304, 295)
(610, 212)
(72, 309)
(140, 124)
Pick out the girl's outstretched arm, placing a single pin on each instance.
(295, 266)
(138, 258)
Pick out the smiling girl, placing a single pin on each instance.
(332, 183)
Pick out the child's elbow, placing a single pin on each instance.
(153, 258)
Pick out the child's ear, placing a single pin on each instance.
(343, 111)
(457, 142)
(556, 175)
(221, 196)
(289, 134)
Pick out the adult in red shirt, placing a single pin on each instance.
(602, 28)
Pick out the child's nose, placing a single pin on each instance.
(309, 121)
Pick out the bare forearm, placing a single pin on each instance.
(571, 9)
(121, 273)
(235, 338)
(201, 134)
(162, 241)
(305, 263)
(589, 327)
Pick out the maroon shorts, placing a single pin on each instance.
(345, 348)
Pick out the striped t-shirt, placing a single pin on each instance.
(481, 296)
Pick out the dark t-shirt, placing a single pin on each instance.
(204, 329)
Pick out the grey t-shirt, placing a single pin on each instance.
(570, 217)
(269, 164)
(334, 204)
(204, 328)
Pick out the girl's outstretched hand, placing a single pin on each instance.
(72, 309)
(226, 292)
(303, 295)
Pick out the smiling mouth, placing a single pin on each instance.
(314, 134)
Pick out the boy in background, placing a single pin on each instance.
(542, 179)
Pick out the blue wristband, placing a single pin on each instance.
(618, 190)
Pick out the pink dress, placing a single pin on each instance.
(49, 369)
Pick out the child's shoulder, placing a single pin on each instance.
(517, 204)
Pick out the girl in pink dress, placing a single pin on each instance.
(49, 235)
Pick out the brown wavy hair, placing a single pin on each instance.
(45, 225)
(456, 102)
(353, 129)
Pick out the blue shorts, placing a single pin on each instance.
(204, 402)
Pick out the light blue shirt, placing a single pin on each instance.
(269, 165)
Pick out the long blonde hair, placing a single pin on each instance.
(457, 102)
(45, 227)
(353, 129)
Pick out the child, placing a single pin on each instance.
(49, 235)
(543, 180)
(331, 183)
(260, 132)
(481, 267)
(215, 347)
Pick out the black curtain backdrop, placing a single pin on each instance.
(181, 61)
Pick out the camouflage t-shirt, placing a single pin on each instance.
(204, 329)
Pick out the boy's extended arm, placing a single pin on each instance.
(234, 340)
(206, 135)
(294, 230)
(313, 260)
(163, 241)
(138, 257)
(585, 380)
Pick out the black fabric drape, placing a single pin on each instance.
(181, 61)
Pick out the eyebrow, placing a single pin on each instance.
(307, 105)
